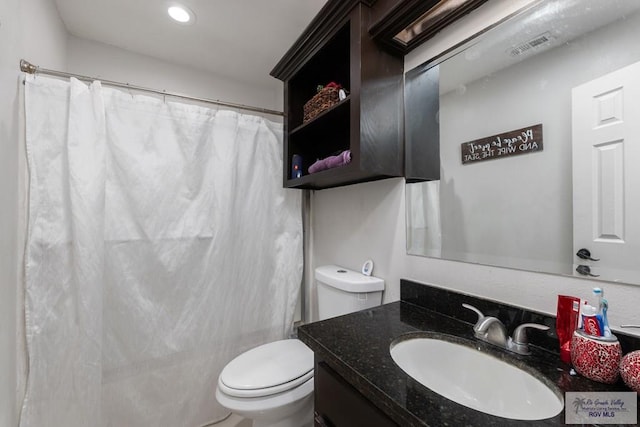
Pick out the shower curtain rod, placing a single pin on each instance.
(29, 68)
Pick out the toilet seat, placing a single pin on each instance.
(267, 391)
(268, 369)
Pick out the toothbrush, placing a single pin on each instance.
(605, 307)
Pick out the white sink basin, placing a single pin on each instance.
(476, 380)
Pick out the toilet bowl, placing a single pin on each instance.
(273, 384)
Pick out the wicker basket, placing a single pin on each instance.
(326, 98)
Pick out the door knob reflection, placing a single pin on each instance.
(585, 270)
(585, 254)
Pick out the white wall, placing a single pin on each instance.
(353, 223)
(29, 29)
(100, 60)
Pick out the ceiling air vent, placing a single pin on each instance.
(533, 43)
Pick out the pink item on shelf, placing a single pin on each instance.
(341, 159)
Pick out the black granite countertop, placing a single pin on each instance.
(357, 347)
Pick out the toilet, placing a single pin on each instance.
(273, 384)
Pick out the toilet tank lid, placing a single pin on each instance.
(348, 280)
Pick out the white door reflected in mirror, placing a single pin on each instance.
(606, 176)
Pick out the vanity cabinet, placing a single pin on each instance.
(336, 47)
(338, 404)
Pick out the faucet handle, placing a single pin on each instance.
(488, 328)
(481, 316)
(520, 336)
(520, 342)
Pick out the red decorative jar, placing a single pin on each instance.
(630, 370)
(596, 358)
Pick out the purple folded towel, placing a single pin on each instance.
(331, 162)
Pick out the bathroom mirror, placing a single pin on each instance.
(568, 70)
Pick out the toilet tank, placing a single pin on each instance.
(342, 291)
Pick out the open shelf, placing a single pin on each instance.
(344, 175)
(324, 117)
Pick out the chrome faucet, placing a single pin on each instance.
(493, 331)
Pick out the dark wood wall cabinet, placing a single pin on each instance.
(336, 47)
(358, 45)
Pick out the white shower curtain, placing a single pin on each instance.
(160, 245)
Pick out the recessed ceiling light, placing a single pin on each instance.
(180, 14)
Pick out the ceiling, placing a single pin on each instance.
(240, 39)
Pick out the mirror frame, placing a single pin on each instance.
(405, 13)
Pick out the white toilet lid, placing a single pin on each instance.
(268, 369)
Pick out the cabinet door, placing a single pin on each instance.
(338, 404)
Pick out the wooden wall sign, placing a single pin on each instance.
(521, 141)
